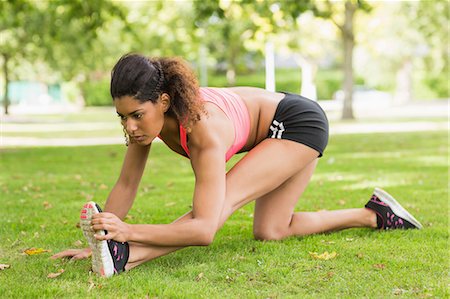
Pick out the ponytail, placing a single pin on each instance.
(181, 84)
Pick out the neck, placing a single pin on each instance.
(170, 128)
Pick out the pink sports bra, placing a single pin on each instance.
(234, 108)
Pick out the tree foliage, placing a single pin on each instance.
(431, 19)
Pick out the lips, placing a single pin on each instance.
(139, 138)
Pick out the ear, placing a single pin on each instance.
(165, 102)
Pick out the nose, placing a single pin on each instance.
(130, 126)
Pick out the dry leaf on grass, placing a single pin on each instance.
(47, 205)
(33, 251)
(199, 277)
(103, 187)
(327, 242)
(54, 275)
(78, 243)
(324, 256)
(4, 266)
(379, 266)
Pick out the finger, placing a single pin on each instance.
(102, 215)
(65, 253)
(101, 226)
(104, 237)
(81, 256)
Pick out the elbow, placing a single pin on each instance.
(204, 236)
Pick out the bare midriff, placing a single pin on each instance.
(261, 105)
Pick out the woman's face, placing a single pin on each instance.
(142, 121)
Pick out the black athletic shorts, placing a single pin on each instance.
(300, 119)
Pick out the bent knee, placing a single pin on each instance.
(269, 234)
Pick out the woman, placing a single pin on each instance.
(284, 135)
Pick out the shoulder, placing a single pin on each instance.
(212, 130)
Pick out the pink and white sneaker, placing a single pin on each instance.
(108, 257)
(390, 214)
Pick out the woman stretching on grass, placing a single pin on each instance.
(284, 135)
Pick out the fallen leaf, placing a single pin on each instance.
(324, 256)
(169, 204)
(78, 243)
(78, 225)
(398, 291)
(54, 275)
(328, 242)
(47, 205)
(4, 266)
(379, 266)
(342, 202)
(360, 255)
(129, 217)
(199, 276)
(33, 251)
(103, 187)
(91, 284)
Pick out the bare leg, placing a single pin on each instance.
(275, 218)
(275, 172)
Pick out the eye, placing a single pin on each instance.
(122, 118)
(138, 115)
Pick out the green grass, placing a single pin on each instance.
(411, 166)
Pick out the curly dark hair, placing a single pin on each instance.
(146, 78)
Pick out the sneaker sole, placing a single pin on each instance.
(102, 262)
(396, 207)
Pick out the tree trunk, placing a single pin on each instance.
(6, 90)
(349, 41)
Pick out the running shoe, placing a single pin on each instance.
(390, 214)
(108, 257)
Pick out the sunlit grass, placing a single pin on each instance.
(44, 188)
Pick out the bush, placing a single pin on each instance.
(96, 93)
(327, 81)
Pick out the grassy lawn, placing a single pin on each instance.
(43, 189)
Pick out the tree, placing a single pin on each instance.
(16, 32)
(390, 48)
(246, 25)
(61, 33)
(343, 18)
(431, 19)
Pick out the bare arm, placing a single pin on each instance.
(122, 195)
(208, 142)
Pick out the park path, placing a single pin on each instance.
(414, 117)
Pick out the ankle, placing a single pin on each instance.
(370, 218)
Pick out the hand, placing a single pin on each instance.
(74, 254)
(116, 228)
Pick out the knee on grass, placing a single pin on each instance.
(269, 234)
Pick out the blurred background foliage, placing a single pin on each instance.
(401, 47)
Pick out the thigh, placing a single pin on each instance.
(274, 210)
(265, 168)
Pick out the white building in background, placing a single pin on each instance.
(32, 97)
